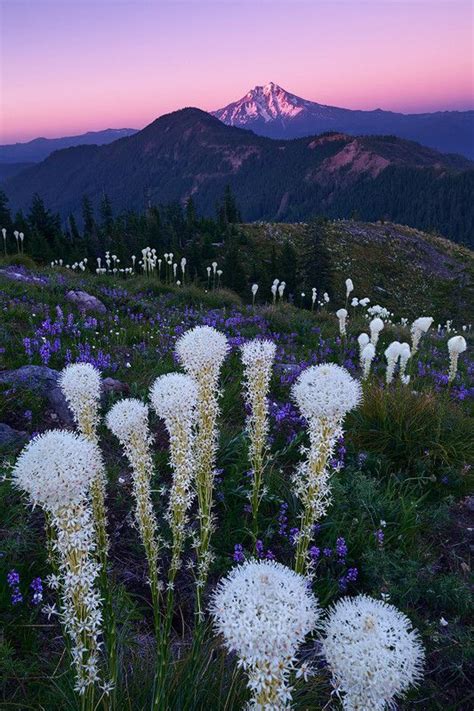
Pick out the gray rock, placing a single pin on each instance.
(111, 385)
(44, 381)
(10, 437)
(10, 273)
(86, 302)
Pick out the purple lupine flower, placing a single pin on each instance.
(269, 555)
(350, 577)
(45, 352)
(341, 549)
(379, 535)
(327, 552)
(13, 581)
(238, 554)
(36, 586)
(314, 552)
(293, 535)
(28, 346)
(259, 548)
(283, 520)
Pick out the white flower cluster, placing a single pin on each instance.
(380, 311)
(202, 349)
(375, 326)
(366, 357)
(456, 346)
(326, 391)
(81, 385)
(324, 394)
(372, 651)
(128, 421)
(264, 610)
(174, 397)
(57, 468)
(257, 357)
(342, 317)
(392, 355)
(418, 328)
(78, 572)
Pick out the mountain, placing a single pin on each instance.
(40, 148)
(191, 153)
(271, 111)
(8, 170)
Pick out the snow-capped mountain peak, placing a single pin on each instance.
(267, 103)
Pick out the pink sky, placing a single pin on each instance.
(70, 66)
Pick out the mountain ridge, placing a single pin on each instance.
(190, 153)
(39, 148)
(272, 111)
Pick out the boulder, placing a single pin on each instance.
(44, 381)
(10, 437)
(86, 302)
(111, 385)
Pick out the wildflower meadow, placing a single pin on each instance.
(221, 502)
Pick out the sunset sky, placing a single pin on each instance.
(70, 66)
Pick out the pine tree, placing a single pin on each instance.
(316, 261)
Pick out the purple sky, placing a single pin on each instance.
(69, 66)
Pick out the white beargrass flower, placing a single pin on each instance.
(363, 339)
(264, 611)
(405, 354)
(81, 386)
(202, 351)
(392, 354)
(254, 293)
(376, 326)
(372, 651)
(257, 357)
(342, 316)
(324, 394)
(128, 421)
(366, 358)
(349, 288)
(174, 397)
(418, 328)
(456, 345)
(56, 469)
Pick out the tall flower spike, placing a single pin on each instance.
(405, 355)
(174, 398)
(264, 611)
(342, 316)
(392, 354)
(202, 351)
(418, 328)
(363, 339)
(81, 385)
(376, 326)
(128, 421)
(324, 394)
(56, 470)
(257, 357)
(366, 357)
(456, 345)
(372, 651)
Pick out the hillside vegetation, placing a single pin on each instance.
(191, 154)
